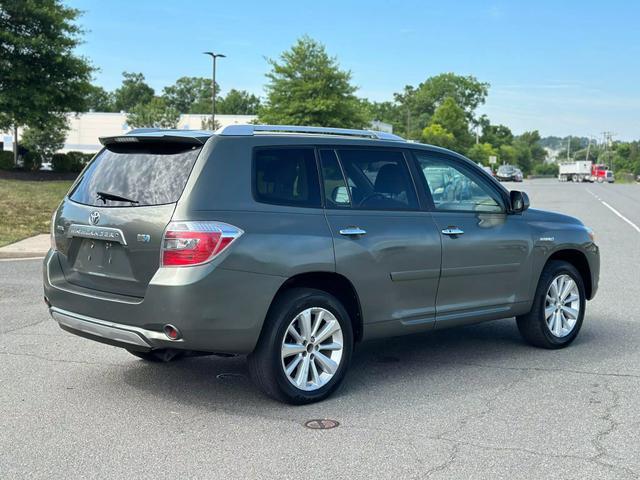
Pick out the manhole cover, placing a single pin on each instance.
(229, 376)
(321, 424)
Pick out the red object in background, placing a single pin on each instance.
(599, 171)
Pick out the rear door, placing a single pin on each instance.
(384, 244)
(485, 250)
(109, 228)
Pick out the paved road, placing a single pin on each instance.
(467, 403)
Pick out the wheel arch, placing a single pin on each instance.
(333, 283)
(579, 260)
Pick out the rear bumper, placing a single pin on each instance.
(215, 309)
(108, 332)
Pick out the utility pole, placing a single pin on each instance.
(15, 145)
(607, 139)
(588, 147)
(214, 56)
(569, 148)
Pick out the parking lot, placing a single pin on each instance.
(466, 403)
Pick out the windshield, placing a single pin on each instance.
(136, 176)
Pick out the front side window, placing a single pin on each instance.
(287, 176)
(376, 180)
(336, 193)
(454, 188)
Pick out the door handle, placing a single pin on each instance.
(452, 231)
(352, 231)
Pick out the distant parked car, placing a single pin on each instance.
(509, 173)
(487, 169)
(519, 175)
(46, 167)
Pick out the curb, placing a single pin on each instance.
(19, 255)
(36, 246)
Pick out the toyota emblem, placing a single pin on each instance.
(94, 218)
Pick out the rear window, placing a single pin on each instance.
(287, 176)
(146, 174)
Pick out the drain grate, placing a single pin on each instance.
(229, 376)
(321, 424)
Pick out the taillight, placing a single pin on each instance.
(53, 231)
(195, 243)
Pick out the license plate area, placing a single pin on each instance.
(102, 258)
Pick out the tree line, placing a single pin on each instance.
(42, 79)
(186, 95)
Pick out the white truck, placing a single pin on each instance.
(579, 171)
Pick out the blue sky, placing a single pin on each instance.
(564, 68)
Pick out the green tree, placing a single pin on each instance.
(523, 156)
(480, 152)
(575, 144)
(154, 114)
(99, 100)
(533, 140)
(42, 142)
(134, 91)
(238, 102)
(467, 92)
(190, 95)
(436, 134)
(418, 104)
(550, 169)
(387, 112)
(205, 124)
(496, 135)
(41, 77)
(453, 119)
(307, 87)
(623, 157)
(507, 154)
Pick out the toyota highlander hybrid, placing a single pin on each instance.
(293, 244)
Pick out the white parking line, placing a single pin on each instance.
(633, 225)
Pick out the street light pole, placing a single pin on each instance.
(214, 56)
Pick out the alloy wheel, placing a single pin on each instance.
(562, 306)
(312, 349)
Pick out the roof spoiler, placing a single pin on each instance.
(157, 135)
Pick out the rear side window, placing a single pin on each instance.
(286, 176)
(139, 175)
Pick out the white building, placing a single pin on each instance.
(86, 128)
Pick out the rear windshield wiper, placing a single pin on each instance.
(104, 196)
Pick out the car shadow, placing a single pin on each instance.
(408, 366)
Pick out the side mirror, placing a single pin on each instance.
(519, 201)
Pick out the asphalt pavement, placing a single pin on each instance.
(474, 402)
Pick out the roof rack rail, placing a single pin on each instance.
(248, 130)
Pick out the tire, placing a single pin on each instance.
(534, 326)
(158, 356)
(574, 178)
(268, 363)
(600, 180)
